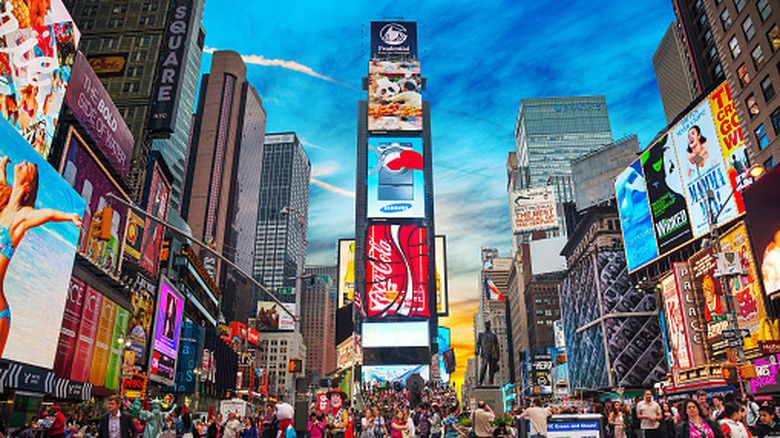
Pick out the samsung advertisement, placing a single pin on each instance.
(167, 327)
(395, 183)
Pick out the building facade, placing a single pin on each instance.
(594, 173)
(674, 73)
(276, 351)
(318, 312)
(543, 307)
(697, 35)
(498, 312)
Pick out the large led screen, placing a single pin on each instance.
(394, 99)
(665, 193)
(732, 140)
(37, 49)
(395, 184)
(346, 280)
(635, 219)
(271, 317)
(696, 139)
(678, 341)
(442, 293)
(393, 373)
(167, 328)
(40, 215)
(396, 271)
(158, 195)
(762, 201)
(395, 334)
(702, 266)
(443, 339)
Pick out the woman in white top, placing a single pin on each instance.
(731, 422)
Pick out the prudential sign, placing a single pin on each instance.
(393, 39)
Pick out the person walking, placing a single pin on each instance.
(751, 411)
(451, 427)
(436, 421)
(650, 414)
(732, 424)
(616, 421)
(694, 424)
(115, 424)
(232, 427)
(537, 416)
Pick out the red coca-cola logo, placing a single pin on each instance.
(397, 271)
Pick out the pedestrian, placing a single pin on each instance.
(232, 427)
(751, 408)
(115, 423)
(482, 418)
(250, 430)
(701, 397)
(732, 422)
(399, 424)
(616, 420)
(338, 418)
(436, 421)
(668, 422)
(268, 424)
(767, 422)
(186, 428)
(315, 427)
(451, 427)
(717, 406)
(537, 416)
(423, 421)
(650, 414)
(215, 428)
(57, 429)
(694, 424)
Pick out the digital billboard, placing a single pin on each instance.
(762, 202)
(691, 313)
(393, 39)
(635, 219)
(393, 373)
(37, 49)
(395, 184)
(40, 216)
(167, 329)
(443, 339)
(394, 99)
(88, 177)
(696, 139)
(665, 193)
(532, 209)
(90, 103)
(270, 317)
(395, 334)
(396, 271)
(678, 341)
(702, 266)
(157, 197)
(442, 293)
(732, 140)
(346, 279)
(140, 326)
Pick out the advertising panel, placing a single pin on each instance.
(393, 373)
(691, 313)
(393, 39)
(167, 328)
(89, 178)
(394, 184)
(702, 266)
(93, 107)
(766, 381)
(678, 340)
(732, 140)
(442, 293)
(140, 326)
(39, 254)
(577, 428)
(443, 339)
(172, 60)
(156, 205)
(97, 373)
(37, 49)
(271, 318)
(394, 99)
(635, 219)
(762, 202)
(395, 334)
(665, 193)
(116, 350)
(134, 235)
(397, 271)
(539, 365)
(346, 280)
(695, 139)
(188, 357)
(85, 344)
(109, 65)
(71, 319)
(533, 209)
(745, 289)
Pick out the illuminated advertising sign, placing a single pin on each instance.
(93, 107)
(157, 197)
(140, 327)
(442, 293)
(635, 219)
(665, 193)
(691, 314)
(346, 280)
(393, 373)
(42, 212)
(85, 340)
(172, 60)
(696, 139)
(395, 184)
(532, 209)
(271, 318)
(762, 202)
(252, 336)
(702, 266)
(348, 350)
(394, 99)
(188, 357)
(396, 271)
(443, 339)
(88, 177)
(37, 49)
(393, 39)
(109, 65)
(395, 334)
(766, 381)
(745, 288)
(678, 341)
(732, 141)
(167, 328)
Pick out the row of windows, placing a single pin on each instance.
(548, 312)
(547, 301)
(761, 134)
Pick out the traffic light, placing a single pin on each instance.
(295, 366)
(101, 224)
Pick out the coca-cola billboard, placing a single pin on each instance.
(396, 271)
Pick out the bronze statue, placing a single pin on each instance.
(488, 349)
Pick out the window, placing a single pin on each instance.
(538, 301)
(767, 88)
(718, 74)
(761, 137)
(773, 36)
(713, 53)
(116, 22)
(539, 312)
(747, 27)
(744, 77)
(142, 41)
(770, 163)
(119, 9)
(740, 4)
(734, 47)
(708, 37)
(110, 43)
(147, 20)
(764, 10)
(752, 105)
(703, 21)
(725, 19)
(139, 56)
(89, 24)
(758, 57)
(776, 120)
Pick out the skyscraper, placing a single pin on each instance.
(697, 35)
(674, 73)
(223, 177)
(550, 132)
(284, 183)
(318, 313)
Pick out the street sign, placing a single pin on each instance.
(719, 318)
(735, 343)
(284, 291)
(735, 334)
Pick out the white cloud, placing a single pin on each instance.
(332, 188)
(325, 169)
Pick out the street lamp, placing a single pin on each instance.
(285, 211)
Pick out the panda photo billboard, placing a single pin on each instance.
(394, 99)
